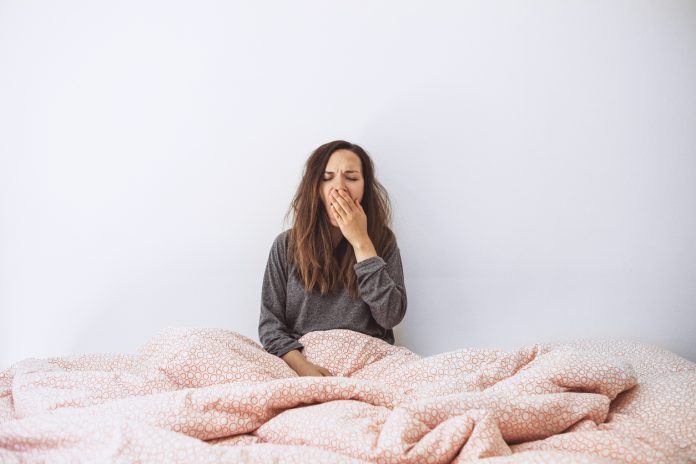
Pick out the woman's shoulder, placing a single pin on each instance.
(281, 242)
(282, 235)
(389, 242)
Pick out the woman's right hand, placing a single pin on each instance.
(298, 363)
(310, 369)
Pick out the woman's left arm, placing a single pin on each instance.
(381, 286)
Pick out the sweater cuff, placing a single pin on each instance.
(369, 265)
(295, 345)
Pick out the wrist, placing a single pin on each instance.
(294, 359)
(363, 244)
(364, 249)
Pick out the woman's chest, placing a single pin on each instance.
(322, 312)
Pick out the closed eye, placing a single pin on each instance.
(347, 178)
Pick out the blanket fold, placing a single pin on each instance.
(214, 395)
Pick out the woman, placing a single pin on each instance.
(339, 267)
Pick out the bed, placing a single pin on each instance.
(214, 395)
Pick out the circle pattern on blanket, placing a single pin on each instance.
(215, 395)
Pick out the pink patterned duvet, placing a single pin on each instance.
(213, 395)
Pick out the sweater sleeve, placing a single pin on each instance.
(381, 286)
(273, 331)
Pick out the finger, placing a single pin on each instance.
(332, 203)
(337, 197)
(336, 214)
(338, 207)
(346, 201)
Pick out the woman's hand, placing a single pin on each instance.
(350, 216)
(309, 369)
(298, 363)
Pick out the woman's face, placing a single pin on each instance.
(343, 172)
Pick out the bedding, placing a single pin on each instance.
(214, 395)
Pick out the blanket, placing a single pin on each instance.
(213, 395)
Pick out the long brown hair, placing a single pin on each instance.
(318, 264)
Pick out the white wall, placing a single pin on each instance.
(541, 159)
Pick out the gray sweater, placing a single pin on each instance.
(288, 312)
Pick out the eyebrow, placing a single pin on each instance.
(350, 170)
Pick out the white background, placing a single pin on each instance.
(540, 158)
